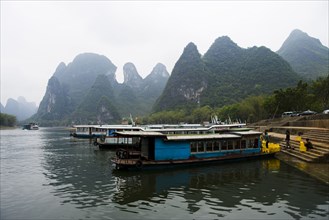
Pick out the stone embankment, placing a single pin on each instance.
(315, 161)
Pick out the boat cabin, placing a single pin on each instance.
(158, 148)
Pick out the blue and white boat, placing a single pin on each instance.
(87, 131)
(31, 126)
(111, 141)
(156, 149)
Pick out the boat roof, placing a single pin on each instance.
(85, 126)
(201, 137)
(109, 127)
(176, 137)
(246, 133)
(166, 128)
(121, 127)
(140, 133)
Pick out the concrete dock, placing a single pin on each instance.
(319, 171)
(316, 127)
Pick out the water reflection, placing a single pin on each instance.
(257, 185)
(81, 175)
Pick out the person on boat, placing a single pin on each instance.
(308, 144)
(266, 138)
(287, 139)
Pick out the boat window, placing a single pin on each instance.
(209, 146)
(256, 143)
(200, 147)
(224, 145)
(193, 146)
(249, 143)
(135, 140)
(216, 146)
(111, 140)
(236, 144)
(230, 145)
(243, 144)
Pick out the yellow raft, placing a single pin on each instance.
(272, 147)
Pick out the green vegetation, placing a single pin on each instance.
(7, 120)
(226, 74)
(97, 105)
(314, 96)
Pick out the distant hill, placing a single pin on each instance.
(20, 108)
(98, 105)
(186, 83)
(86, 91)
(307, 56)
(137, 96)
(2, 108)
(224, 75)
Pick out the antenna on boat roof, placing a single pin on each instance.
(132, 120)
(214, 119)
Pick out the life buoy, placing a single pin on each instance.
(118, 153)
(125, 154)
(139, 164)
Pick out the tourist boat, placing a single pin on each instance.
(31, 126)
(111, 141)
(87, 131)
(155, 149)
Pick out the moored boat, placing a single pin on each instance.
(87, 131)
(112, 141)
(155, 149)
(109, 139)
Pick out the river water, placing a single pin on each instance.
(46, 174)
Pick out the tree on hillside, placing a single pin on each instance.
(7, 120)
(321, 92)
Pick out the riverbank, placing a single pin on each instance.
(319, 171)
(7, 128)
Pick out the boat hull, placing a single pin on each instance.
(86, 136)
(129, 164)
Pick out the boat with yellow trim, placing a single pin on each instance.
(155, 149)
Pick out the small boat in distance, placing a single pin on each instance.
(31, 126)
(155, 149)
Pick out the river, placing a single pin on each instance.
(46, 174)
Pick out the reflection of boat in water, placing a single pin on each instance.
(256, 187)
(31, 126)
(131, 185)
(80, 177)
(155, 149)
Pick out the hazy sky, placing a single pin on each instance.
(37, 35)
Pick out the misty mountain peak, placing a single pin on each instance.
(189, 55)
(21, 99)
(191, 49)
(296, 38)
(221, 49)
(61, 67)
(86, 65)
(307, 56)
(21, 108)
(159, 70)
(131, 76)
